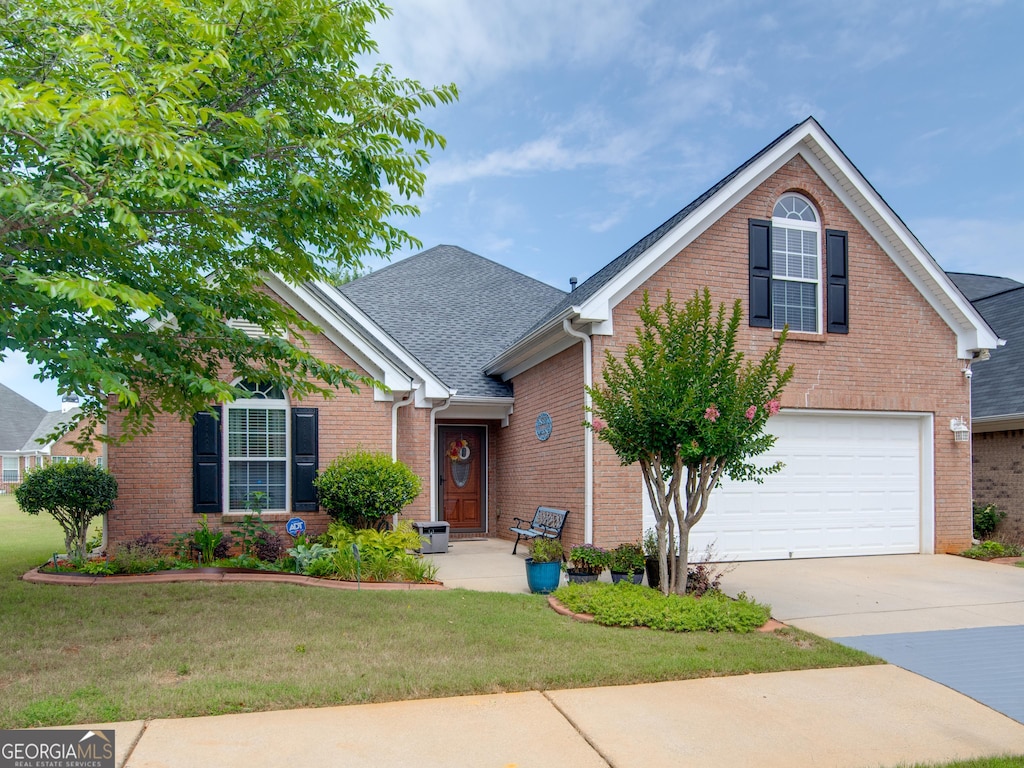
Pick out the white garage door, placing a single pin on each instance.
(851, 485)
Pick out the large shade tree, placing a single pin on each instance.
(160, 157)
(685, 404)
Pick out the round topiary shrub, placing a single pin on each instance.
(363, 489)
(74, 493)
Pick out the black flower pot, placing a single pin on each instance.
(654, 573)
(637, 578)
(576, 576)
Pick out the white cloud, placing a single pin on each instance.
(540, 155)
(469, 42)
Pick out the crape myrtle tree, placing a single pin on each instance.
(684, 404)
(159, 158)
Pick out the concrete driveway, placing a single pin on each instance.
(956, 621)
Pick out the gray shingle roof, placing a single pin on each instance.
(49, 423)
(20, 418)
(997, 388)
(453, 310)
(976, 287)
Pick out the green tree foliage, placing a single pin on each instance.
(160, 157)
(362, 489)
(683, 403)
(74, 493)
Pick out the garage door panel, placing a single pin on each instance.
(851, 485)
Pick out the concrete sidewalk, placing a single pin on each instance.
(859, 717)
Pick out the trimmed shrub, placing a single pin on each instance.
(363, 489)
(74, 493)
(986, 518)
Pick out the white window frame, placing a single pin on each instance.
(806, 226)
(5, 469)
(67, 459)
(255, 403)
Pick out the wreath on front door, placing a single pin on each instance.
(459, 454)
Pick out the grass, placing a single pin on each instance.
(1006, 761)
(88, 654)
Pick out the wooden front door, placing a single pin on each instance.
(462, 470)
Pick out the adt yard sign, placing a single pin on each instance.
(296, 527)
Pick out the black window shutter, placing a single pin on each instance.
(207, 467)
(305, 457)
(838, 281)
(759, 249)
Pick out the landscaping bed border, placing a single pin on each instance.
(223, 575)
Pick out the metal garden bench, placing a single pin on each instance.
(547, 522)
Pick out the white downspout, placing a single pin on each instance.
(588, 436)
(394, 418)
(433, 452)
(394, 431)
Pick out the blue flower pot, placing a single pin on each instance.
(542, 577)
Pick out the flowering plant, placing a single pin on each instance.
(686, 404)
(458, 450)
(588, 558)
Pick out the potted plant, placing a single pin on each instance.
(626, 561)
(651, 559)
(544, 566)
(586, 562)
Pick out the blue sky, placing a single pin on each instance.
(584, 124)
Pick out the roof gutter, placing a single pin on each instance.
(505, 358)
(588, 434)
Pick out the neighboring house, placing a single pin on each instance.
(486, 371)
(997, 405)
(23, 439)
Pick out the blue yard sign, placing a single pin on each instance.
(296, 527)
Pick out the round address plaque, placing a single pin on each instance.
(543, 426)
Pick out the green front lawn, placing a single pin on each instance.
(92, 654)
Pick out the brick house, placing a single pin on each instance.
(997, 401)
(486, 369)
(23, 440)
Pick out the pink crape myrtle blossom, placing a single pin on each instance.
(751, 412)
(712, 413)
(773, 407)
(598, 424)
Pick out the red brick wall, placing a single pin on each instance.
(999, 479)
(154, 472)
(898, 356)
(63, 447)
(532, 473)
(414, 451)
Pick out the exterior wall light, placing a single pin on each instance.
(961, 432)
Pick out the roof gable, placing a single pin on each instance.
(593, 301)
(21, 417)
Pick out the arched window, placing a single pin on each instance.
(257, 448)
(796, 264)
